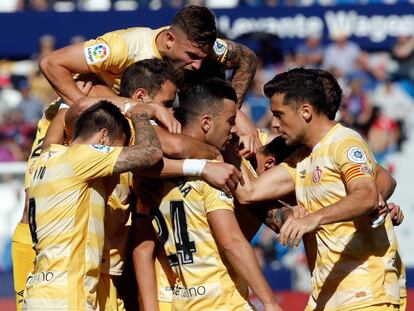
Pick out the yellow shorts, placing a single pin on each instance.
(22, 257)
(108, 299)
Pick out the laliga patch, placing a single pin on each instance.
(220, 47)
(102, 148)
(225, 197)
(316, 175)
(96, 53)
(366, 170)
(357, 155)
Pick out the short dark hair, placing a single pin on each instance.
(203, 97)
(149, 74)
(198, 23)
(278, 148)
(333, 92)
(103, 114)
(298, 85)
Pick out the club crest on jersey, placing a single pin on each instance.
(220, 47)
(316, 175)
(366, 170)
(357, 155)
(96, 53)
(102, 148)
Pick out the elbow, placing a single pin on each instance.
(370, 198)
(45, 64)
(175, 149)
(157, 156)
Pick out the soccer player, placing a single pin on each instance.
(350, 261)
(212, 261)
(67, 203)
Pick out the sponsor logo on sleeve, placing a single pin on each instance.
(220, 47)
(96, 53)
(224, 196)
(316, 176)
(102, 148)
(366, 170)
(357, 155)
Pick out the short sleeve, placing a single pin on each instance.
(220, 49)
(216, 200)
(354, 159)
(291, 170)
(92, 161)
(107, 53)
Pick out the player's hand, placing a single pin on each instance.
(246, 146)
(223, 176)
(166, 118)
(396, 214)
(298, 211)
(84, 86)
(293, 230)
(246, 127)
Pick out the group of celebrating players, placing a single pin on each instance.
(137, 200)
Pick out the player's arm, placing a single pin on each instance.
(361, 199)
(243, 62)
(146, 152)
(58, 68)
(385, 182)
(271, 185)
(143, 256)
(181, 146)
(238, 251)
(56, 132)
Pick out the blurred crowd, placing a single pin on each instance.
(378, 101)
(125, 5)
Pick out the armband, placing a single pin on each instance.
(193, 167)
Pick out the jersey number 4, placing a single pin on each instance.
(184, 247)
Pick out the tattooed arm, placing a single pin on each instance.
(243, 61)
(146, 152)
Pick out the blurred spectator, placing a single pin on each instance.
(310, 53)
(30, 107)
(340, 56)
(356, 110)
(38, 5)
(256, 105)
(11, 5)
(46, 46)
(403, 52)
(9, 97)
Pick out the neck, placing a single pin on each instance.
(317, 131)
(193, 131)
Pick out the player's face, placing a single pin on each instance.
(223, 126)
(184, 54)
(166, 95)
(287, 121)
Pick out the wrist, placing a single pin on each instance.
(192, 167)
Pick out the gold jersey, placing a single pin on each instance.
(109, 55)
(117, 225)
(66, 216)
(352, 265)
(204, 278)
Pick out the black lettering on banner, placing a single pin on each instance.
(185, 248)
(32, 219)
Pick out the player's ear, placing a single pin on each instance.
(103, 136)
(170, 39)
(139, 94)
(206, 123)
(306, 111)
(270, 162)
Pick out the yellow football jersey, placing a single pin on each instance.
(204, 278)
(352, 265)
(117, 225)
(42, 127)
(109, 55)
(66, 216)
